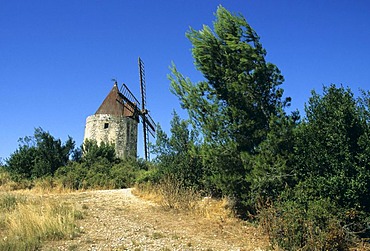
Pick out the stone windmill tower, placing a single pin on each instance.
(116, 120)
(114, 123)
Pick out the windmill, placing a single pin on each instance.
(136, 111)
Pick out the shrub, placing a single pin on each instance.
(151, 176)
(311, 225)
(101, 174)
(39, 155)
(177, 196)
(124, 174)
(72, 175)
(332, 145)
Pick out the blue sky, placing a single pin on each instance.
(57, 58)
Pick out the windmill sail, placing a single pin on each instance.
(148, 122)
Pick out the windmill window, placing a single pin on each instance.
(106, 125)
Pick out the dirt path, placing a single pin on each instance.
(117, 220)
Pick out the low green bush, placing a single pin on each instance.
(101, 174)
(72, 175)
(311, 225)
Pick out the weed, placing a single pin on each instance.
(135, 243)
(79, 215)
(73, 247)
(292, 226)
(157, 235)
(44, 185)
(215, 209)
(175, 237)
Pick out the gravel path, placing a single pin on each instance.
(117, 220)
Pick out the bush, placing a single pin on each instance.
(101, 174)
(311, 225)
(98, 175)
(152, 175)
(331, 149)
(124, 174)
(39, 155)
(72, 175)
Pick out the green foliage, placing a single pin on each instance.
(224, 171)
(304, 225)
(331, 144)
(72, 176)
(100, 175)
(39, 155)
(321, 202)
(241, 90)
(20, 162)
(99, 168)
(270, 170)
(127, 173)
(308, 179)
(178, 155)
(42, 158)
(92, 152)
(233, 107)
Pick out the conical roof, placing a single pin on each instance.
(111, 104)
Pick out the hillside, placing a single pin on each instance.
(118, 220)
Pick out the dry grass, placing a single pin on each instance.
(216, 209)
(26, 221)
(28, 218)
(202, 215)
(147, 191)
(40, 186)
(49, 185)
(363, 245)
(172, 196)
(6, 184)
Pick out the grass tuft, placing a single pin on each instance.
(27, 222)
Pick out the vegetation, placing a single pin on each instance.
(26, 222)
(91, 166)
(233, 106)
(171, 194)
(305, 180)
(39, 155)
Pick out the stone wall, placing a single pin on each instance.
(118, 130)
